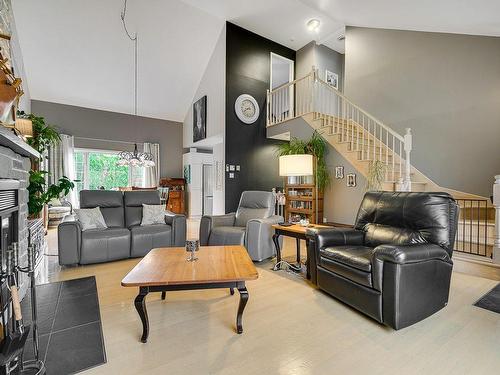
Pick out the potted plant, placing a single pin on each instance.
(39, 193)
(315, 146)
(376, 175)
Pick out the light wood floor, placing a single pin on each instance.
(289, 328)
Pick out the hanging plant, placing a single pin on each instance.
(315, 146)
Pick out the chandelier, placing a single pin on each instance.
(135, 159)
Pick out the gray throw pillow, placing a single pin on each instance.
(90, 218)
(153, 214)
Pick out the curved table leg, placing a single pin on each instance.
(140, 305)
(231, 290)
(243, 302)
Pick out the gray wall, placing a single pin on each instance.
(321, 57)
(446, 87)
(92, 123)
(341, 203)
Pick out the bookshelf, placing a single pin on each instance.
(303, 200)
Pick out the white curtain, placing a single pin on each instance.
(68, 165)
(152, 174)
(61, 162)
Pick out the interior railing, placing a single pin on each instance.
(475, 227)
(371, 138)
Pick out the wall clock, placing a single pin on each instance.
(246, 108)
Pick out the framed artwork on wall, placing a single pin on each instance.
(200, 119)
(339, 172)
(351, 179)
(332, 79)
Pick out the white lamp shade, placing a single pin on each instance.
(296, 165)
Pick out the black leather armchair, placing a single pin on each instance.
(395, 265)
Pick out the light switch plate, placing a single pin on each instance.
(237, 167)
(231, 175)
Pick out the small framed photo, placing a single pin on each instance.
(351, 179)
(339, 172)
(332, 79)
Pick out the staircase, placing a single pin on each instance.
(363, 140)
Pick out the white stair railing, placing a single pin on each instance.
(496, 204)
(372, 139)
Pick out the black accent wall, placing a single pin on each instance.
(248, 58)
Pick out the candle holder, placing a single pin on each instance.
(192, 246)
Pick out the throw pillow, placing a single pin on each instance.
(153, 214)
(90, 218)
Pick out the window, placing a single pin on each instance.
(96, 169)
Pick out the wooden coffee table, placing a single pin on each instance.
(166, 269)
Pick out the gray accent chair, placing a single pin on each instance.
(125, 237)
(250, 225)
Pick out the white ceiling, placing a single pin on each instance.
(75, 52)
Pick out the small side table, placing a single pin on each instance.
(295, 231)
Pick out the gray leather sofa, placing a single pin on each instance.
(124, 237)
(250, 225)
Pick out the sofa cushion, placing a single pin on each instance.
(103, 245)
(351, 273)
(147, 237)
(133, 201)
(353, 256)
(379, 234)
(109, 202)
(227, 236)
(254, 205)
(90, 218)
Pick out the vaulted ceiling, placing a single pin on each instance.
(75, 52)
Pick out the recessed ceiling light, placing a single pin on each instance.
(313, 24)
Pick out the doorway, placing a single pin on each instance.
(282, 72)
(208, 194)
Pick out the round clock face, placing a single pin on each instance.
(246, 108)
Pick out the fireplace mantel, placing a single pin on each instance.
(16, 144)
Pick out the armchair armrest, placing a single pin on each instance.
(258, 237)
(208, 222)
(69, 238)
(324, 237)
(404, 254)
(178, 224)
(318, 238)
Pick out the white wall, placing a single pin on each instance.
(213, 85)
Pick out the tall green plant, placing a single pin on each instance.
(376, 175)
(39, 194)
(315, 146)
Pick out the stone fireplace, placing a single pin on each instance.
(15, 165)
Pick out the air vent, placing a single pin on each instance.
(7, 199)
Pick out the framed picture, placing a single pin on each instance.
(332, 79)
(351, 179)
(200, 119)
(339, 172)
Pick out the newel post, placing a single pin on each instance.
(407, 146)
(496, 204)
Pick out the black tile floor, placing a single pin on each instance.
(491, 300)
(69, 320)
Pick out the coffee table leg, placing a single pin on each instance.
(140, 305)
(243, 302)
(163, 295)
(231, 290)
(278, 250)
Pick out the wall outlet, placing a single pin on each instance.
(325, 220)
(231, 175)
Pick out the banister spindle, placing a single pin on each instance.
(496, 204)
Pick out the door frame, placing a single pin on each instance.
(291, 78)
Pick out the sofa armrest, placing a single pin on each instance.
(69, 238)
(178, 224)
(208, 222)
(404, 254)
(259, 237)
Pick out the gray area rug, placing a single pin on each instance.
(491, 300)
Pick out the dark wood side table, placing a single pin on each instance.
(295, 231)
